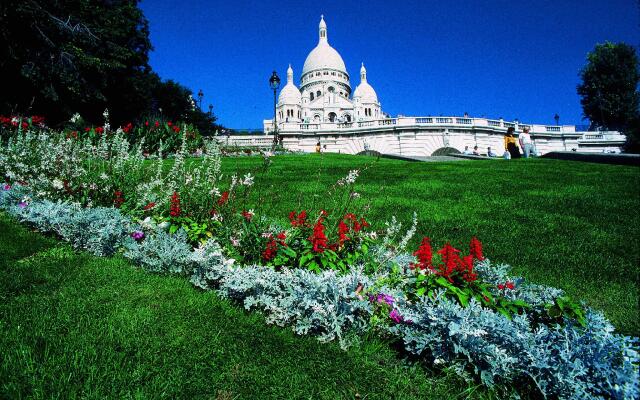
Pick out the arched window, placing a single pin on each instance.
(326, 73)
(318, 93)
(331, 89)
(347, 117)
(311, 96)
(332, 116)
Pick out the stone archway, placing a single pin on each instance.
(445, 151)
(332, 117)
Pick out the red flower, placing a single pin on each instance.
(475, 249)
(118, 199)
(223, 199)
(466, 268)
(127, 128)
(270, 251)
(99, 130)
(450, 261)
(281, 238)
(149, 206)
(247, 215)
(510, 285)
(500, 286)
(157, 124)
(176, 129)
(146, 123)
(175, 205)
(318, 239)
(343, 229)
(87, 129)
(424, 255)
(169, 123)
(299, 220)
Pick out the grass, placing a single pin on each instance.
(73, 325)
(571, 225)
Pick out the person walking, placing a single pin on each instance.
(510, 143)
(525, 143)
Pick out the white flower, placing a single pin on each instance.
(214, 192)
(105, 114)
(247, 180)
(355, 195)
(104, 176)
(350, 179)
(57, 184)
(75, 118)
(235, 242)
(266, 234)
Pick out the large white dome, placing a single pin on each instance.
(323, 56)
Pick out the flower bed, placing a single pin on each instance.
(325, 273)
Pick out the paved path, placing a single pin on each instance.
(427, 159)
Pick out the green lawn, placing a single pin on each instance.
(73, 325)
(572, 225)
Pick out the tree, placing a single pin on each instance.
(66, 56)
(609, 88)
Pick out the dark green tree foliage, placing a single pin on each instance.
(171, 101)
(60, 57)
(609, 88)
(75, 56)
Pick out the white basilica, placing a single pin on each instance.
(324, 110)
(325, 93)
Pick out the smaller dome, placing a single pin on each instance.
(366, 93)
(364, 90)
(290, 94)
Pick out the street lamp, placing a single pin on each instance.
(200, 95)
(557, 118)
(274, 83)
(210, 109)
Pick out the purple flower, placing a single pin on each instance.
(138, 235)
(6, 187)
(22, 204)
(395, 316)
(385, 298)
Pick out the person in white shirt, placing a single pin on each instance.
(466, 150)
(490, 153)
(525, 142)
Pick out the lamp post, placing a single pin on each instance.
(557, 118)
(210, 109)
(200, 96)
(274, 83)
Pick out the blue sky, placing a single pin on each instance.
(494, 58)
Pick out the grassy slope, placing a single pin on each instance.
(73, 325)
(572, 225)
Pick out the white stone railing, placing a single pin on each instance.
(444, 122)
